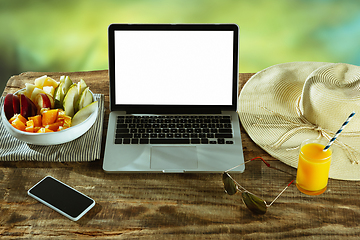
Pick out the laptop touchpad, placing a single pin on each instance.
(173, 158)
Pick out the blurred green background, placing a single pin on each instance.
(52, 35)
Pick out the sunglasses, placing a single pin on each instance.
(254, 203)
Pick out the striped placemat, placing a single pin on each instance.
(85, 148)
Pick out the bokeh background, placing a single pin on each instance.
(71, 35)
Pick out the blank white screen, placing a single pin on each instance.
(173, 67)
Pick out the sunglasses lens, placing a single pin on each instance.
(254, 203)
(229, 185)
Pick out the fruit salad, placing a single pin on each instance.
(49, 106)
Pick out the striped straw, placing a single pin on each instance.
(339, 131)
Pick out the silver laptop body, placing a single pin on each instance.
(177, 85)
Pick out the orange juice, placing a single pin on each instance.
(313, 167)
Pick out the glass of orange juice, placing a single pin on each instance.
(313, 167)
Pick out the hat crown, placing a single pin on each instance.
(330, 94)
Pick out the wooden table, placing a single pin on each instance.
(171, 206)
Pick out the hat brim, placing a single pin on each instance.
(268, 114)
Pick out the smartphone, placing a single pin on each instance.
(62, 198)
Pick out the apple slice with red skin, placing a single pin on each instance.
(8, 106)
(27, 107)
(33, 106)
(51, 99)
(16, 104)
(43, 101)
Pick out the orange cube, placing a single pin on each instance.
(37, 120)
(12, 118)
(49, 116)
(55, 126)
(18, 124)
(29, 126)
(22, 119)
(66, 119)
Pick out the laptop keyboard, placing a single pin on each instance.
(174, 130)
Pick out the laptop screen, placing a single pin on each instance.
(173, 65)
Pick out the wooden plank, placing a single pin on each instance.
(187, 205)
(171, 206)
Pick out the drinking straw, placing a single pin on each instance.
(339, 131)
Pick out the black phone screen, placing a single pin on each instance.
(61, 196)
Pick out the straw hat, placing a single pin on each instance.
(283, 105)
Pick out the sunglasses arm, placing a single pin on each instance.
(280, 193)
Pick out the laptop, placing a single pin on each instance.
(173, 98)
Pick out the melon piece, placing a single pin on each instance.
(85, 99)
(84, 113)
(70, 99)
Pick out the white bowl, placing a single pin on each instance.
(51, 138)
